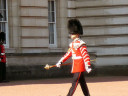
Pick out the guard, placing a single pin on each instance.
(80, 57)
(2, 58)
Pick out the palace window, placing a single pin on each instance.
(4, 19)
(52, 23)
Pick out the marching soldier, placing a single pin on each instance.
(2, 58)
(81, 59)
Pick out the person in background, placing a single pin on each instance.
(2, 58)
(81, 59)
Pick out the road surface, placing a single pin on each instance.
(98, 86)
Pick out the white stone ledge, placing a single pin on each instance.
(108, 40)
(104, 20)
(10, 50)
(105, 30)
(111, 60)
(71, 4)
(110, 51)
(88, 3)
(32, 42)
(101, 11)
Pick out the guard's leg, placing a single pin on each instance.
(4, 71)
(84, 85)
(74, 83)
(0, 71)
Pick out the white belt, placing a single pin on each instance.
(78, 57)
(2, 53)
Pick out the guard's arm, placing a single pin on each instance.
(64, 58)
(86, 58)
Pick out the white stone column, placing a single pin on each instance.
(72, 8)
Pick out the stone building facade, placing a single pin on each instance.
(36, 31)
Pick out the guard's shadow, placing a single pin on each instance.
(65, 80)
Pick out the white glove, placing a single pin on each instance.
(89, 70)
(58, 64)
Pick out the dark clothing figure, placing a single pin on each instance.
(2, 58)
(79, 78)
(2, 72)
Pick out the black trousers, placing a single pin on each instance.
(79, 77)
(2, 71)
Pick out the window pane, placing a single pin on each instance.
(51, 33)
(53, 16)
(48, 6)
(3, 29)
(3, 9)
(4, 15)
(52, 5)
(1, 16)
(2, 26)
(51, 13)
(49, 17)
(51, 20)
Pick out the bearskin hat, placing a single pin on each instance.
(75, 27)
(2, 36)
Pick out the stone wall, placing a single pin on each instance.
(105, 28)
(105, 33)
(31, 65)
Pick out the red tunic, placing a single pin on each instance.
(79, 54)
(2, 54)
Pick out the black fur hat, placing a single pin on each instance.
(75, 27)
(2, 36)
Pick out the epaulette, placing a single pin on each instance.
(76, 46)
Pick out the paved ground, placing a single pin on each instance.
(98, 86)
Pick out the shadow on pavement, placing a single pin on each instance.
(65, 80)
